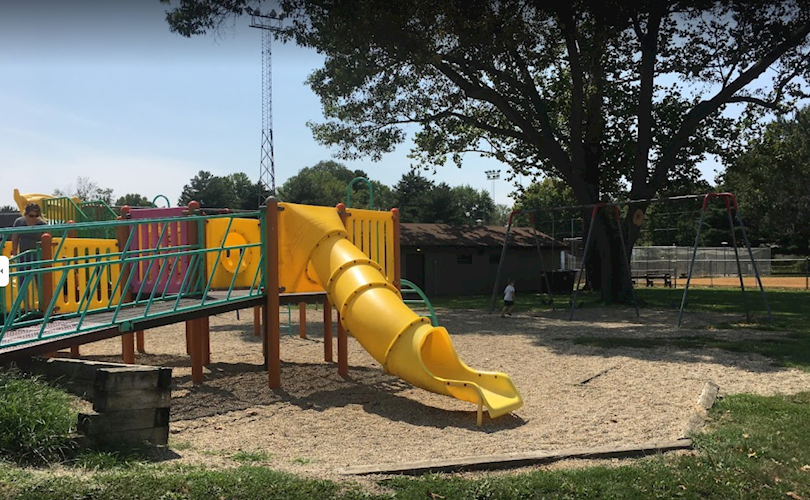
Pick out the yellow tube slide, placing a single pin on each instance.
(372, 311)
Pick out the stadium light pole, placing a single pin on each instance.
(493, 175)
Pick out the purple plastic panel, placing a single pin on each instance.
(147, 279)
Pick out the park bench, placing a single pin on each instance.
(651, 278)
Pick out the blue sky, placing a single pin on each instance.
(102, 89)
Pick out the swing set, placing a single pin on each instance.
(730, 204)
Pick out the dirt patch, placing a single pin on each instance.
(318, 422)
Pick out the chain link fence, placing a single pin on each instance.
(709, 261)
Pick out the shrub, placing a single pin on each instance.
(35, 419)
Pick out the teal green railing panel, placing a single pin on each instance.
(409, 287)
(103, 301)
(97, 210)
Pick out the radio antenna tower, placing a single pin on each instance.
(269, 24)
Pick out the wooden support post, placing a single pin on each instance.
(205, 325)
(74, 352)
(343, 349)
(128, 348)
(140, 344)
(188, 338)
(327, 331)
(302, 320)
(196, 351)
(257, 321)
(272, 307)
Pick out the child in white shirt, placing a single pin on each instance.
(508, 298)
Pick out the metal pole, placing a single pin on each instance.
(737, 259)
(692, 262)
(500, 264)
(584, 260)
(540, 255)
(754, 263)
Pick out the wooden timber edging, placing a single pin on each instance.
(131, 403)
(522, 459)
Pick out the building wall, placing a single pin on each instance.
(451, 271)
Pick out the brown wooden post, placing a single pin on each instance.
(71, 232)
(302, 320)
(272, 308)
(188, 338)
(257, 321)
(327, 331)
(397, 263)
(140, 343)
(128, 348)
(205, 325)
(74, 351)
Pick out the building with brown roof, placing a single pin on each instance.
(463, 260)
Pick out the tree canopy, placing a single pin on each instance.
(86, 190)
(325, 184)
(133, 200)
(233, 191)
(615, 98)
(770, 178)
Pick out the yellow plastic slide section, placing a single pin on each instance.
(372, 311)
(23, 200)
(241, 232)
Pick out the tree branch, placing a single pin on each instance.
(569, 31)
(755, 100)
(705, 108)
(542, 139)
(649, 52)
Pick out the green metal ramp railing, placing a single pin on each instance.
(73, 286)
(410, 288)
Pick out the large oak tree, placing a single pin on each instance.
(616, 98)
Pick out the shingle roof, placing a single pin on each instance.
(427, 235)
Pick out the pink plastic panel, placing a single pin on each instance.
(147, 279)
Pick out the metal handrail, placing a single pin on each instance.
(102, 269)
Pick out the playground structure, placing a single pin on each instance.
(176, 264)
(731, 205)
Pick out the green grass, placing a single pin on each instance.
(251, 456)
(756, 447)
(36, 420)
(789, 310)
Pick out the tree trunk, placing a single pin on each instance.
(608, 269)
